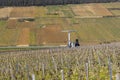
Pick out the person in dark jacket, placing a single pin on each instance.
(77, 43)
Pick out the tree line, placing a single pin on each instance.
(47, 2)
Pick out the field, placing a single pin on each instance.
(24, 37)
(90, 10)
(97, 27)
(94, 23)
(22, 12)
(96, 32)
(96, 62)
(6, 39)
(114, 9)
(5, 12)
(54, 30)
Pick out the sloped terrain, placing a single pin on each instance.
(94, 23)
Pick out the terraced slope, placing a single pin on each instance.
(94, 23)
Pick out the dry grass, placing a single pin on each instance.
(111, 5)
(80, 11)
(98, 10)
(5, 12)
(115, 12)
(22, 12)
(90, 10)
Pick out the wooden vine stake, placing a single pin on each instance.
(118, 76)
(43, 70)
(27, 69)
(99, 61)
(62, 75)
(87, 71)
(33, 77)
(110, 68)
(12, 76)
(11, 72)
(55, 65)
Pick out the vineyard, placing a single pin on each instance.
(95, 62)
(32, 42)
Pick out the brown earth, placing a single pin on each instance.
(12, 24)
(22, 12)
(51, 34)
(26, 25)
(24, 37)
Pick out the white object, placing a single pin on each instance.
(62, 75)
(33, 77)
(69, 31)
(118, 76)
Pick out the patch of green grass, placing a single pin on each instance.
(2, 22)
(32, 37)
(2, 25)
(100, 29)
(68, 13)
(9, 37)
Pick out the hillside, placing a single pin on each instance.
(42, 25)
